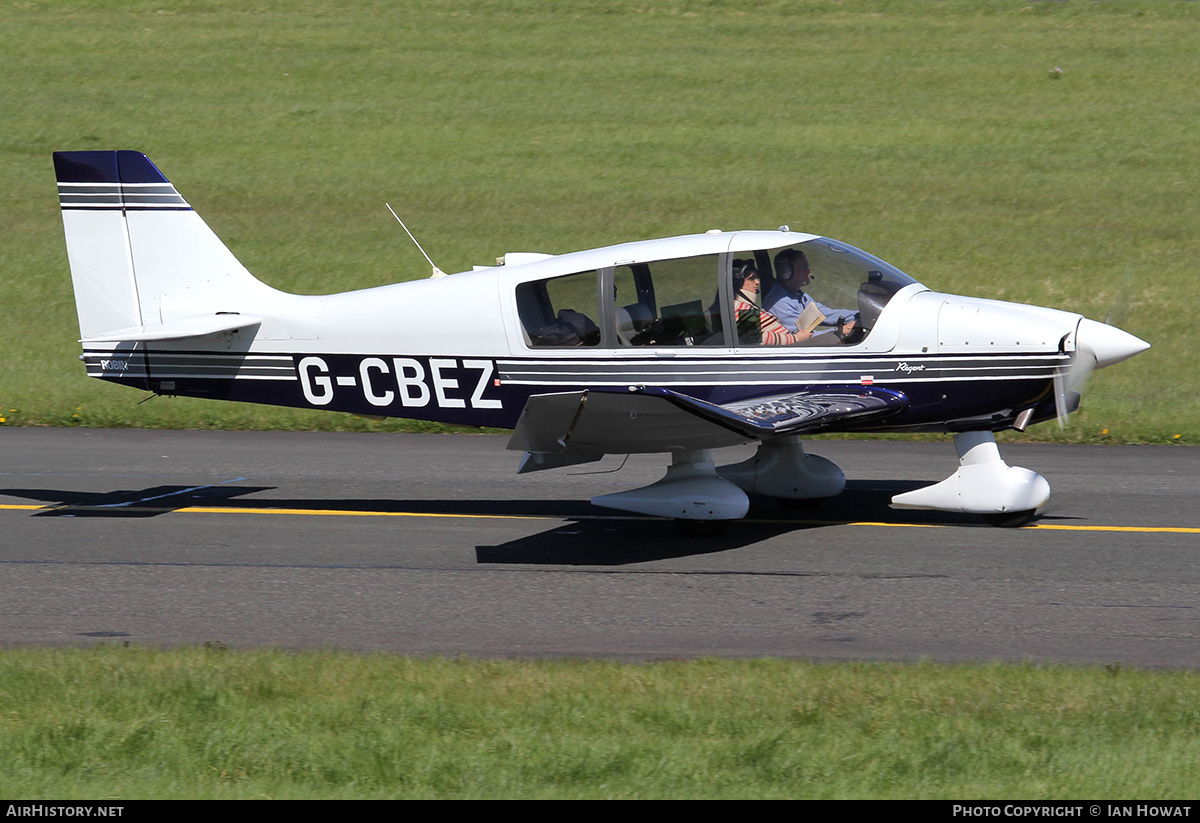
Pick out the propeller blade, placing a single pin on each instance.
(1082, 366)
(1072, 379)
(1060, 397)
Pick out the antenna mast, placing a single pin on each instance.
(436, 271)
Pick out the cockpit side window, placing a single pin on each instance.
(560, 312)
(668, 303)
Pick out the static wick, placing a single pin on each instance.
(436, 271)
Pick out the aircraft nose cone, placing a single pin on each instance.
(1108, 343)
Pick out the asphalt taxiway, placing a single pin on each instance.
(431, 544)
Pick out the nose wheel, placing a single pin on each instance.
(802, 505)
(1011, 520)
(701, 528)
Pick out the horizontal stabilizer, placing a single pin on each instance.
(179, 329)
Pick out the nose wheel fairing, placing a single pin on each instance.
(983, 484)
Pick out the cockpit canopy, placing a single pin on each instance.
(813, 293)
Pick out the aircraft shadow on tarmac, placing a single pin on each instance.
(592, 540)
(149, 502)
(590, 536)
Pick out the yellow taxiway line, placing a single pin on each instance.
(356, 513)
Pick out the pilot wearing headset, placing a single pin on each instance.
(787, 300)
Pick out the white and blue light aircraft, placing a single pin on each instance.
(644, 347)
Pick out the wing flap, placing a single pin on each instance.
(576, 427)
(597, 422)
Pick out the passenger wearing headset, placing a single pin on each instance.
(787, 300)
(755, 326)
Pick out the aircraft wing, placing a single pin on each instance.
(568, 428)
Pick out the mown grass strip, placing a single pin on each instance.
(127, 722)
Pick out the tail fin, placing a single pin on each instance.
(143, 263)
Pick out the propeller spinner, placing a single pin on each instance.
(1096, 345)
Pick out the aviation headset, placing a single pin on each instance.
(785, 268)
(742, 269)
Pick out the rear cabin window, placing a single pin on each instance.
(560, 312)
(668, 303)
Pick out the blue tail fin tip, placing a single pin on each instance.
(86, 167)
(105, 167)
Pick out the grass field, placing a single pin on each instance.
(121, 723)
(941, 136)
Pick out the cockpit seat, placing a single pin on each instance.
(631, 320)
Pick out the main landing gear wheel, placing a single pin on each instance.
(1010, 520)
(802, 505)
(701, 528)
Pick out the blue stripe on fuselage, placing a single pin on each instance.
(481, 392)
